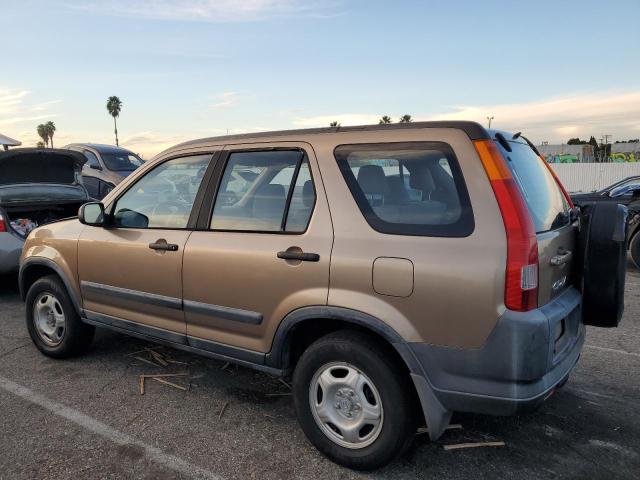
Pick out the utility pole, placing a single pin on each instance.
(605, 142)
(489, 118)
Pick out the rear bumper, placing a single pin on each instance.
(10, 251)
(526, 356)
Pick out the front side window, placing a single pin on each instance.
(412, 188)
(265, 191)
(164, 196)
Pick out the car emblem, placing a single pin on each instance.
(558, 284)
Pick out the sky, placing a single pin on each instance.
(187, 69)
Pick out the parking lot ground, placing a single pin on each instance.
(85, 417)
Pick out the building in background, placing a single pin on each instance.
(567, 153)
(625, 152)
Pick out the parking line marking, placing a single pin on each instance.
(91, 424)
(614, 350)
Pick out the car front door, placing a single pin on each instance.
(130, 271)
(261, 251)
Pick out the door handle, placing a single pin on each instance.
(302, 256)
(162, 245)
(560, 259)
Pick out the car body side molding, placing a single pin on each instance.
(228, 313)
(134, 295)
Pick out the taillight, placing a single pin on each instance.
(553, 173)
(3, 225)
(521, 283)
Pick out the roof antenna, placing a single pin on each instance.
(516, 135)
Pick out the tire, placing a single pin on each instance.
(603, 263)
(634, 249)
(53, 323)
(325, 405)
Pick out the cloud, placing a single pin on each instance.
(554, 119)
(40, 107)
(15, 120)
(343, 119)
(210, 10)
(11, 100)
(583, 114)
(226, 100)
(16, 112)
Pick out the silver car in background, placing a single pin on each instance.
(106, 167)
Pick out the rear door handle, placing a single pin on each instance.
(162, 245)
(561, 258)
(305, 257)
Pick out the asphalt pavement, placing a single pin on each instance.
(85, 417)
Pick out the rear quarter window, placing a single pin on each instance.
(414, 188)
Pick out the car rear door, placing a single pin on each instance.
(550, 212)
(131, 271)
(261, 250)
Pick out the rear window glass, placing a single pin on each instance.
(121, 161)
(412, 188)
(547, 204)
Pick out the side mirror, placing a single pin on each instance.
(92, 214)
(95, 166)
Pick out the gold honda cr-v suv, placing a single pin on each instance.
(397, 273)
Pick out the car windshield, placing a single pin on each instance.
(625, 188)
(546, 202)
(121, 161)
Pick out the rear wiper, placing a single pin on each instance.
(533, 147)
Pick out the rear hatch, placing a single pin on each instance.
(31, 177)
(550, 213)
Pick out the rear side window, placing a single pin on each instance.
(265, 191)
(92, 160)
(546, 202)
(412, 188)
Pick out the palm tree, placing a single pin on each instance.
(114, 106)
(384, 120)
(406, 119)
(334, 124)
(43, 133)
(50, 127)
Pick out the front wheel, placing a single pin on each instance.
(52, 321)
(354, 401)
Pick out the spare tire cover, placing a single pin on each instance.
(603, 262)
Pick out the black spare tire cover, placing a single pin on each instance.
(602, 263)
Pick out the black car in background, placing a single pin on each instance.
(625, 192)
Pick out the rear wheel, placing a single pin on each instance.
(52, 321)
(353, 401)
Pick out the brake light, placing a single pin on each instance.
(553, 174)
(521, 283)
(3, 225)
